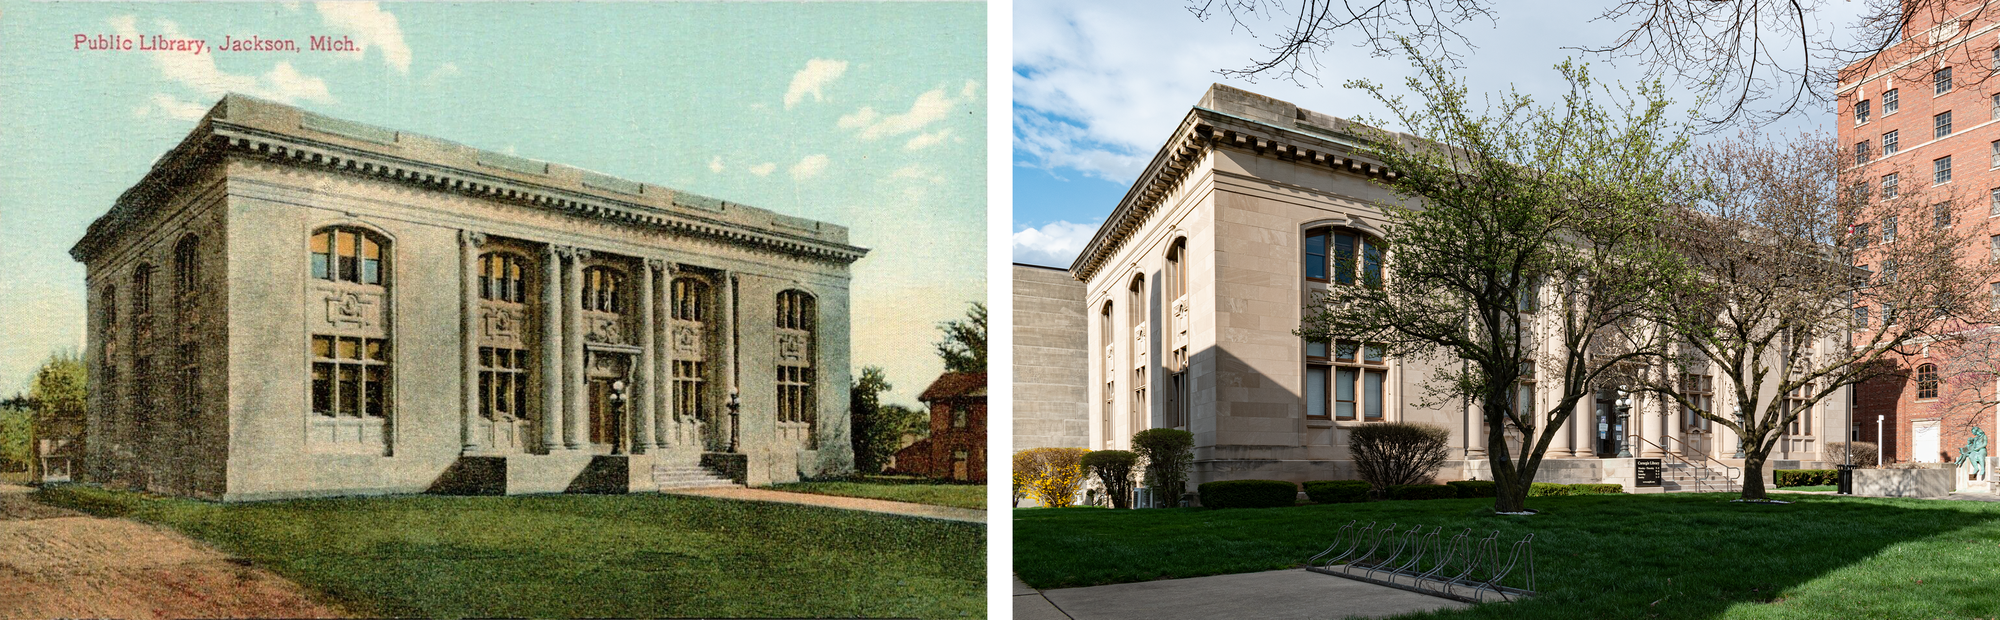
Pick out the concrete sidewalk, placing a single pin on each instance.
(1274, 595)
(907, 509)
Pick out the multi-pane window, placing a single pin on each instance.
(690, 300)
(1861, 316)
(346, 255)
(186, 262)
(350, 376)
(1889, 186)
(1524, 391)
(603, 290)
(1109, 374)
(797, 317)
(1993, 154)
(1941, 214)
(142, 292)
(1889, 271)
(1798, 404)
(1996, 102)
(1358, 376)
(1861, 152)
(1888, 314)
(1889, 229)
(503, 382)
(1700, 392)
(1135, 317)
(1927, 381)
(1344, 255)
(500, 277)
(1861, 111)
(1941, 170)
(1860, 237)
(1176, 406)
(1890, 142)
(1889, 100)
(1993, 202)
(1941, 81)
(1996, 296)
(1993, 252)
(690, 380)
(960, 417)
(1941, 124)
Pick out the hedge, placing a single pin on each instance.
(1249, 494)
(1337, 491)
(1596, 489)
(1422, 491)
(1547, 489)
(1473, 488)
(1807, 477)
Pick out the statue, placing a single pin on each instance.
(1975, 451)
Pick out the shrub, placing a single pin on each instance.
(1548, 489)
(1394, 453)
(1864, 453)
(1249, 494)
(1805, 477)
(1423, 491)
(1474, 488)
(1168, 453)
(1596, 489)
(1337, 491)
(1114, 469)
(1050, 475)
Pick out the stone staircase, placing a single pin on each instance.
(1677, 476)
(689, 477)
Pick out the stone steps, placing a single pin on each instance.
(689, 477)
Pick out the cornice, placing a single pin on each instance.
(1201, 131)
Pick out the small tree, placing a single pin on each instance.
(15, 451)
(1396, 453)
(964, 344)
(59, 392)
(1050, 475)
(1169, 453)
(877, 428)
(1114, 469)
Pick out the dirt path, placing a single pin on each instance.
(907, 509)
(59, 563)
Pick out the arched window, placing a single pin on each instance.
(1927, 381)
(1176, 405)
(142, 292)
(186, 264)
(1176, 270)
(1110, 369)
(603, 290)
(1342, 256)
(688, 301)
(796, 318)
(500, 277)
(1135, 307)
(342, 254)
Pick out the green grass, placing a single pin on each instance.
(1823, 487)
(1607, 556)
(633, 556)
(897, 488)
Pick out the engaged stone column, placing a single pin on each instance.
(576, 408)
(1560, 446)
(552, 346)
(727, 303)
(663, 371)
(1583, 426)
(1656, 428)
(1475, 432)
(468, 244)
(642, 434)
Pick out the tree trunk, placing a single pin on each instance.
(1753, 471)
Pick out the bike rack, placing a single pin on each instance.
(1460, 563)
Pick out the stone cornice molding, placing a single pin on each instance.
(1200, 132)
(215, 139)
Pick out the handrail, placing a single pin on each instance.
(1702, 465)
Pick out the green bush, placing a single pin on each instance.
(1474, 488)
(1337, 491)
(1548, 489)
(1596, 489)
(1806, 477)
(1169, 453)
(1392, 453)
(1423, 491)
(1114, 469)
(1249, 494)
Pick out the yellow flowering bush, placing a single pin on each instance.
(1050, 475)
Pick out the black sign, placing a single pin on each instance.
(1649, 472)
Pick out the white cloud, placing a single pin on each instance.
(371, 27)
(930, 107)
(715, 165)
(439, 75)
(763, 169)
(282, 83)
(927, 140)
(860, 118)
(912, 171)
(818, 73)
(171, 107)
(1053, 245)
(809, 167)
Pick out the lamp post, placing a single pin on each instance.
(1737, 410)
(1878, 440)
(735, 407)
(618, 400)
(1624, 425)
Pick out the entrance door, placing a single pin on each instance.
(606, 418)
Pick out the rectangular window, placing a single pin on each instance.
(1993, 252)
(1888, 186)
(1343, 258)
(1890, 143)
(1941, 170)
(1941, 81)
(1996, 100)
(1700, 392)
(959, 417)
(1371, 263)
(688, 381)
(1343, 393)
(1861, 152)
(322, 257)
(1889, 99)
(1861, 111)
(1861, 316)
(1345, 350)
(1888, 314)
(1889, 229)
(1996, 295)
(1889, 271)
(350, 377)
(503, 383)
(1941, 124)
(1993, 202)
(1860, 236)
(1316, 390)
(1316, 257)
(1374, 384)
(1993, 152)
(1799, 404)
(1941, 214)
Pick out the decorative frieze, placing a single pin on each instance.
(350, 311)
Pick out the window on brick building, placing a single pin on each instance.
(1994, 154)
(1927, 381)
(1860, 238)
(1890, 143)
(1941, 81)
(1941, 124)
(1941, 215)
(1941, 170)
(1889, 102)
(1861, 111)
(1993, 201)
(1889, 186)
(1889, 229)
(1861, 152)
(1861, 316)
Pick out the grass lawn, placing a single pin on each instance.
(1606, 556)
(897, 488)
(1823, 487)
(630, 556)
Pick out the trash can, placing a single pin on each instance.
(1846, 484)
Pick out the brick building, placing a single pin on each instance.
(956, 447)
(1926, 114)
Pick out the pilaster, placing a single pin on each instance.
(552, 346)
(468, 243)
(642, 433)
(575, 408)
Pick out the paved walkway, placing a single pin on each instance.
(907, 509)
(1274, 595)
(56, 563)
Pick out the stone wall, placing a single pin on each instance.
(1051, 360)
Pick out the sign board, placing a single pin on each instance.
(1648, 472)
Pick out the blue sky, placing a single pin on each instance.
(859, 114)
(1099, 85)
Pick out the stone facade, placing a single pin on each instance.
(1051, 361)
(295, 305)
(1195, 282)
(1955, 39)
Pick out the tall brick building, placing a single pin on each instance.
(1923, 114)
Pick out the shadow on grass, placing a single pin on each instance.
(1622, 556)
